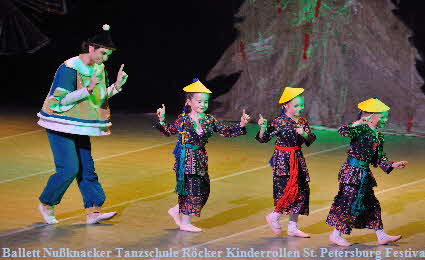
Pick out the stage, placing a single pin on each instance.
(134, 165)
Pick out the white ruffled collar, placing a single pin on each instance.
(77, 64)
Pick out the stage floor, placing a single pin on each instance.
(134, 165)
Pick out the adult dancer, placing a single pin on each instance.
(76, 108)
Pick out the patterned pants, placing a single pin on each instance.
(339, 215)
(198, 188)
(301, 204)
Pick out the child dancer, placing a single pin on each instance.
(290, 175)
(191, 166)
(355, 205)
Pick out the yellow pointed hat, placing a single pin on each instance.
(289, 93)
(197, 87)
(373, 105)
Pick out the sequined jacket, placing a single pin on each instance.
(283, 127)
(366, 145)
(197, 159)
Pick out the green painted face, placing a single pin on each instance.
(383, 119)
(295, 107)
(199, 102)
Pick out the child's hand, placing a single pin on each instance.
(300, 130)
(363, 121)
(262, 122)
(244, 119)
(400, 165)
(160, 112)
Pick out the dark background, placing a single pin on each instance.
(164, 44)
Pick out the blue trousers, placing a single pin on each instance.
(73, 160)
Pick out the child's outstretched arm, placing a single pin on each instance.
(161, 125)
(231, 130)
(386, 165)
(400, 164)
(354, 129)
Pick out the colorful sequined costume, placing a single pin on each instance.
(283, 127)
(355, 205)
(191, 157)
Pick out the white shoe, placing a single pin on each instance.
(190, 228)
(297, 233)
(389, 239)
(93, 218)
(175, 215)
(274, 224)
(48, 214)
(339, 240)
